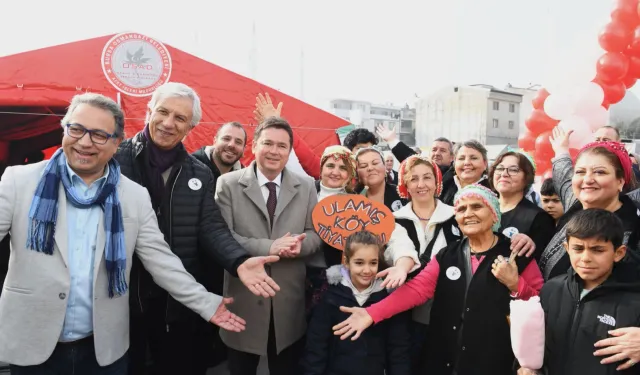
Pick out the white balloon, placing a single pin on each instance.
(596, 117)
(558, 106)
(581, 132)
(587, 96)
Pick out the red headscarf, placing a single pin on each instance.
(407, 164)
(618, 150)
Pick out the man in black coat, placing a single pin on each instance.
(222, 157)
(182, 194)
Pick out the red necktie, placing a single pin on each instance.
(272, 201)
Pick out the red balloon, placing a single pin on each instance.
(541, 96)
(543, 146)
(634, 46)
(573, 152)
(542, 166)
(612, 66)
(634, 66)
(629, 81)
(626, 12)
(615, 37)
(527, 141)
(613, 92)
(606, 104)
(539, 122)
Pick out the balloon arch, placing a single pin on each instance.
(583, 106)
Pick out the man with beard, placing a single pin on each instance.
(228, 147)
(222, 157)
(182, 195)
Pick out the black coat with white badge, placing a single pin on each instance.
(189, 218)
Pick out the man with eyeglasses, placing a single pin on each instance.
(182, 195)
(75, 225)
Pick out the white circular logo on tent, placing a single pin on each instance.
(510, 232)
(135, 64)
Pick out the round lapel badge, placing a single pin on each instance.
(510, 232)
(453, 273)
(396, 205)
(195, 184)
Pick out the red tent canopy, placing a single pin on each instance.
(37, 86)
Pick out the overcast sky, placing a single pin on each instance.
(381, 51)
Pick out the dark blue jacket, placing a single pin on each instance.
(381, 349)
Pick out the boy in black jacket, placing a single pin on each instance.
(598, 294)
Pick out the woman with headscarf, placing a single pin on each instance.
(424, 226)
(601, 178)
(511, 176)
(471, 282)
(372, 179)
(337, 172)
(470, 165)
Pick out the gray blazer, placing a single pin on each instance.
(244, 209)
(34, 297)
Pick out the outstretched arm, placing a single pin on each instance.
(411, 294)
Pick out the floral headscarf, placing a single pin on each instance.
(407, 165)
(489, 198)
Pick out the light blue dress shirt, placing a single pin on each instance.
(82, 224)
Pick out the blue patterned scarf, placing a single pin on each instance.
(43, 216)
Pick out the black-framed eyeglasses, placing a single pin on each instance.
(511, 170)
(98, 137)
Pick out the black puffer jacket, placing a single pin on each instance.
(214, 277)
(573, 325)
(381, 349)
(190, 220)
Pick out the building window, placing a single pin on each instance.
(511, 124)
(512, 108)
(495, 122)
(496, 106)
(335, 105)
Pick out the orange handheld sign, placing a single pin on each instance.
(338, 216)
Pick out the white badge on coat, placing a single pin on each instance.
(455, 231)
(510, 232)
(195, 184)
(396, 205)
(453, 273)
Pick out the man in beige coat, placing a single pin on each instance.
(268, 209)
(75, 224)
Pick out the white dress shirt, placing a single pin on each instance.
(262, 181)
